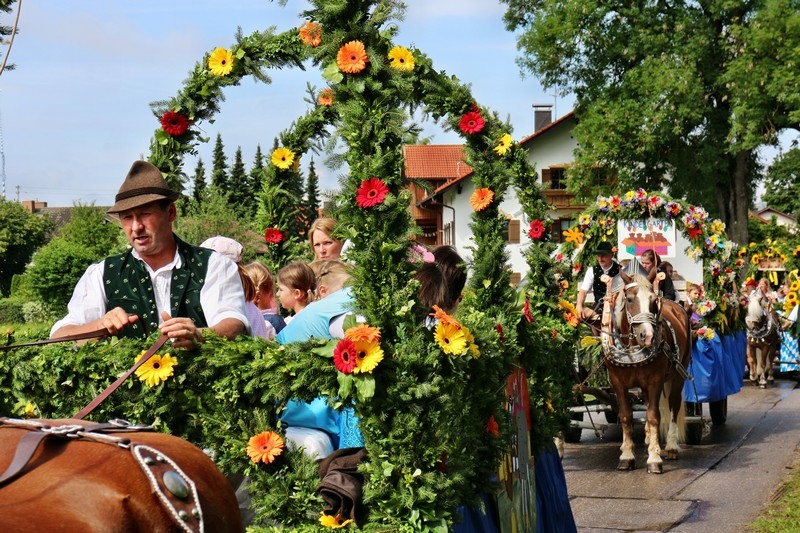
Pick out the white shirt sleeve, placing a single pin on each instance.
(588, 279)
(222, 295)
(88, 300)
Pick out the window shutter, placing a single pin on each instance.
(546, 177)
(513, 231)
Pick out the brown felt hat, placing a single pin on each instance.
(143, 184)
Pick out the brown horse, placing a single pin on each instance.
(763, 340)
(652, 351)
(71, 475)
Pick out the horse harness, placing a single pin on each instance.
(173, 488)
(763, 329)
(635, 355)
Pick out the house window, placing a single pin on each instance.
(559, 226)
(554, 178)
(557, 178)
(511, 231)
(449, 234)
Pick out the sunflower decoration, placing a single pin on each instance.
(401, 58)
(282, 158)
(334, 521)
(363, 349)
(450, 338)
(504, 145)
(156, 369)
(220, 63)
(265, 447)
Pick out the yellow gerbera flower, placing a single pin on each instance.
(282, 158)
(334, 522)
(473, 348)
(574, 235)
(795, 286)
(505, 144)
(221, 62)
(402, 58)
(156, 369)
(450, 338)
(368, 355)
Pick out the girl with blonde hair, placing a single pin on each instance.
(296, 286)
(264, 297)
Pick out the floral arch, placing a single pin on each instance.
(435, 421)
(722, 260)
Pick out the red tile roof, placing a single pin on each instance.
(435, 161)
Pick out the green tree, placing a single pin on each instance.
(239, 197)
(215, 217)
(255, 180)
(673, 96)
(199, 188)
(312, 191)
(56, 268)
(782, 183)
(21, 233)
(219, 166)
(90, 227)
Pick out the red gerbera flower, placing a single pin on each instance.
(344, 356)
(471, 122)
(537, 230)
(694, 232)
(174, 123)
(371, 193)
(273, 236)
(526, 310)
(492, 427)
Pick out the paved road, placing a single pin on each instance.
(719, 485)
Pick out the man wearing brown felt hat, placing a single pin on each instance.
(161, 282)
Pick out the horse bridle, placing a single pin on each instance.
(174, 489)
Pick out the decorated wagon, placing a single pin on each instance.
(702, 259)
(447, 414)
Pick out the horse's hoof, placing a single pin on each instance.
(762, 385)
(655, 468)
(627, 464)
(670, 455)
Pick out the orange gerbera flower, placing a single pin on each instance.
(481, 199)
(265, 447)
(363, 333)
(326, 97)
(443, 317)
(311, 34)
(352, 57)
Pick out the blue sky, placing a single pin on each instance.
(75, 113)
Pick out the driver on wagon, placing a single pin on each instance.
(592, 283)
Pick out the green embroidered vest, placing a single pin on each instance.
(128, 285)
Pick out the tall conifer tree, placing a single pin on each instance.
(199, 183)
(219, 168)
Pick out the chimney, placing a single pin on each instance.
(542, 116)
